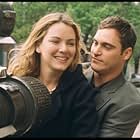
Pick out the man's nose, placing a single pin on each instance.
(96, 50)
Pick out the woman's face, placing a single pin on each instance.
(58, 47)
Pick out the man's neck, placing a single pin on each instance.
(100, 79)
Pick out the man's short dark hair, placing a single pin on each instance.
(125, 29)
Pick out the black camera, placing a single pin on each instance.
(24, 104)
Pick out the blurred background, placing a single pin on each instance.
(22, 15)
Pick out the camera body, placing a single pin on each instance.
(24, 104)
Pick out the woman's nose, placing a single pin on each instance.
(63, 47)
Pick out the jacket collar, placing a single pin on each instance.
(109, 87)
(106, 90)
(113, 85)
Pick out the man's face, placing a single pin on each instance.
(106, 55)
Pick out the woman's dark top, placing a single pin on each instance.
(73, 111)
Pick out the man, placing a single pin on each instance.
(118, 103)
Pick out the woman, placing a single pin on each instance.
(51, 54)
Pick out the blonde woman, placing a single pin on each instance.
(51, 54)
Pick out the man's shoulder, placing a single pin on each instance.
(129, 85)
(131, 88)
(128, 91)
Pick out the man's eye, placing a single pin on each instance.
(107, 46)
(94, 43)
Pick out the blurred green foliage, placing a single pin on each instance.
(86, 14)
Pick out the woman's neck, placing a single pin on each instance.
(50, 80)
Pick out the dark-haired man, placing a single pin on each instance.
(118, 103)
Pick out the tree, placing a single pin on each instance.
(86, 14)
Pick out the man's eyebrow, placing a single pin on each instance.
(104, 43)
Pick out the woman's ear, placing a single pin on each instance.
(127, 53)
(38, 49)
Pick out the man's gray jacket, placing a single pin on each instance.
(118, 106)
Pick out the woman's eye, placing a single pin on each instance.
(71, 44)
(54, 41)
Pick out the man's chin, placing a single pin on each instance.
(96, 69)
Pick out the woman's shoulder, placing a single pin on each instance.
(75, 77)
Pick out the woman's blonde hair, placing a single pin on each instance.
(26, 61)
